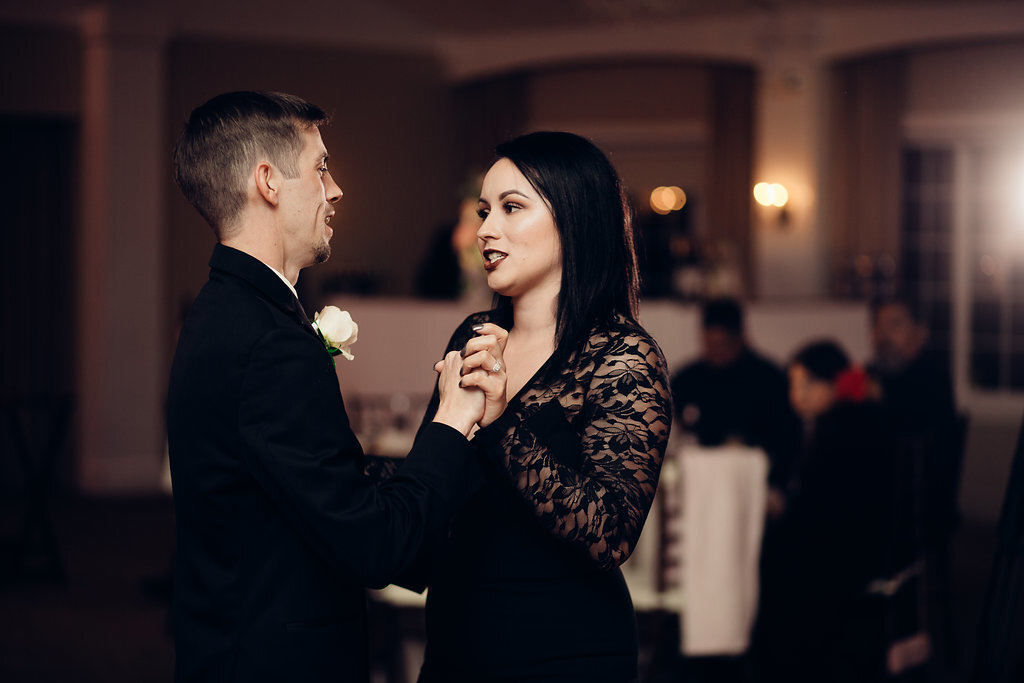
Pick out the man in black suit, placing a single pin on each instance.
(734, 394)
(278, 528)
(917, 393)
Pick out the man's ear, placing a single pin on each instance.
(267, 182)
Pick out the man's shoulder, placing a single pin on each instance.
(759, 364)
(234, 302)
(230, 317)
(690, 376)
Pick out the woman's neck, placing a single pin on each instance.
(534, 316)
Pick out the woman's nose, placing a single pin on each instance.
(488, 228)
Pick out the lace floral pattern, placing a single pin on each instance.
(584, 446)
(379, 468)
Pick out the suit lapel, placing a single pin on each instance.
(259, 275)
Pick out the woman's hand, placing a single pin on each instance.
(458, 408)
(484, 368)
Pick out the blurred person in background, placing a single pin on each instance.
(453, 268)
(732, 394)
(917, 392)
(816, 622)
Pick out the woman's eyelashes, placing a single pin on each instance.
(508, 207)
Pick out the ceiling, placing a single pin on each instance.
(475, 38)
(473, 15)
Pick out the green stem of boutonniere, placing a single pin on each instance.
(332, 351)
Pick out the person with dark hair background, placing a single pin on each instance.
(528, 587)
(816, 622)
(734, 394)
(917, 392)
(452, 267)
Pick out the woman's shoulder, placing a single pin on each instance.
(464, 331)
(622, 335)
(479, 318)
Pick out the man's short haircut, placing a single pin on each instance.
(725, 313)
(226, 137)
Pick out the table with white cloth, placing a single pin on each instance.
(713, 510)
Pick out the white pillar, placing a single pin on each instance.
(790, 124)
(120, 343)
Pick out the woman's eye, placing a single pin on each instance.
(482, 213)
(511, 207)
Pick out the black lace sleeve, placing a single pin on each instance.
(379, 467)
(586, 451)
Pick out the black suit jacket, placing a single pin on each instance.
(278, 529)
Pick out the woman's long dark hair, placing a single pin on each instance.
(594, 223)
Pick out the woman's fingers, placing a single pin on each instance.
(485, 350)
(499, 333)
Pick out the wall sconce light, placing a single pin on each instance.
(665, 200)
(773, 194)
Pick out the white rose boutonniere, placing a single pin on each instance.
(337, 329)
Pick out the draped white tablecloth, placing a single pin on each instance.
(720, 520)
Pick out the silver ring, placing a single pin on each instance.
(497, 366)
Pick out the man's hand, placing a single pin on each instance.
(459, 408)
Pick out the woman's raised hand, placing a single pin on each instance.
(484, 367)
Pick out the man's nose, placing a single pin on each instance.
(334, 192)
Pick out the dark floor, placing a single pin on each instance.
(102, 625)
(97, 626)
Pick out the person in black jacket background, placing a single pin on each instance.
(734, 394)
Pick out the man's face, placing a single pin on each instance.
(896, 336)
(721, 346)
(306, 203)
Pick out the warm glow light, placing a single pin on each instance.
(667, 199)
(680, 198)
(771, 194)
(781, 195)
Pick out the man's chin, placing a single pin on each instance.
(322, 253)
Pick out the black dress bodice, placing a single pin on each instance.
(528, 585)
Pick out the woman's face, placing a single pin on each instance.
(518, 238)
(809, 395)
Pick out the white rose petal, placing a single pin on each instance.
(338, 329)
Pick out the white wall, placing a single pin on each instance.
(399, 339)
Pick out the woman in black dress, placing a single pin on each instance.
(836, 535)
(528, 586)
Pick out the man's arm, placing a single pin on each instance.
(302, 451)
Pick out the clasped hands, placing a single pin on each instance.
(472, 381)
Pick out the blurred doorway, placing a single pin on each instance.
(37, 347)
